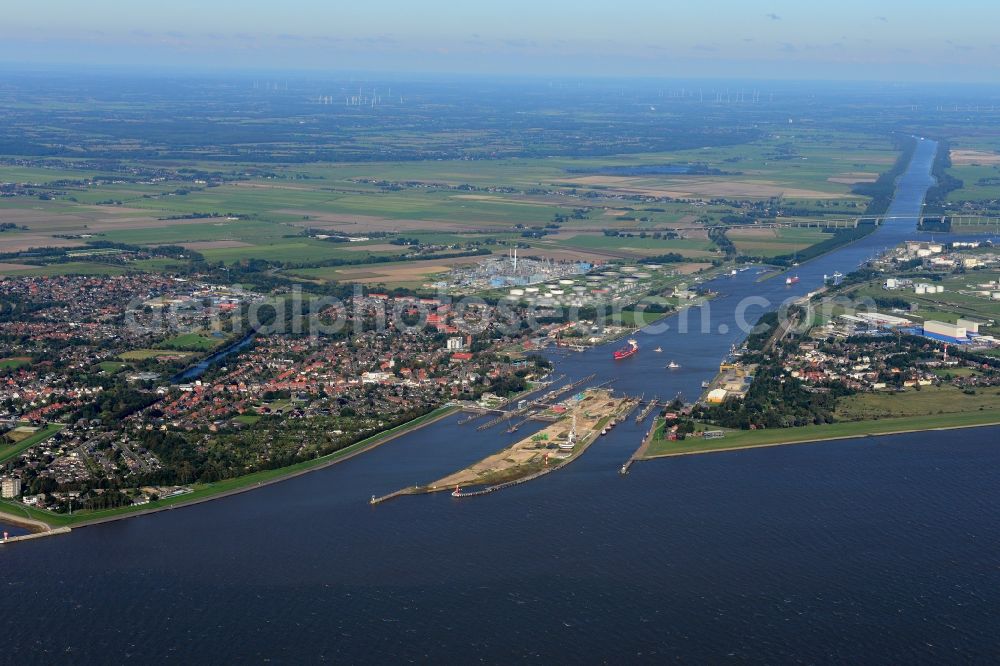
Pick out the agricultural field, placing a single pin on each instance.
(928, 400)
(774, 242)
(629, 247)
(980, 178)
(405, 274)
(67, 268)
(268, 188)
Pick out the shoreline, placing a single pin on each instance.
(817, 440)
(363, 447)
(36, 526)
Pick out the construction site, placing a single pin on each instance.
(581, 419)
(576, 423)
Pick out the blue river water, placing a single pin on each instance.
(868, 550)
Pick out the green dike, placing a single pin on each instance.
(748, 439)
(14, 450)
(207, 491)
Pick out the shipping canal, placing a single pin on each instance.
(758, 555)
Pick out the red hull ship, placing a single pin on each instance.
(631, 349)
(792, 280)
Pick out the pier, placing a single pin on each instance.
(393, 495)
(35, 535)
(474, 413)
(639, 452)
(458, 492)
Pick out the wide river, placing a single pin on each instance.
(876, 549)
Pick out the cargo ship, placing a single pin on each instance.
(630, 349)
(792, 280)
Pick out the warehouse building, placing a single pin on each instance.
(939, 330)
(970, 325)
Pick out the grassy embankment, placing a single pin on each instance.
(208, 491)
(776, 437)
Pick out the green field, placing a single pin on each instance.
(775, 243)
(143, 354)
(693, 249)
(192, 342)
(17, 362)
(69, 268)
(926, 401)
(979, 183)
(13, 450)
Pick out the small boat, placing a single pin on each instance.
(706, 384)
(673, 365)
(658, 350)
(793, 279)
(604, 431)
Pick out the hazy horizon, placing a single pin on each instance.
(721, 39)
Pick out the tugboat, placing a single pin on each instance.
(629, 350)
(706, 384)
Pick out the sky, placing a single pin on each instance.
(891, 40)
